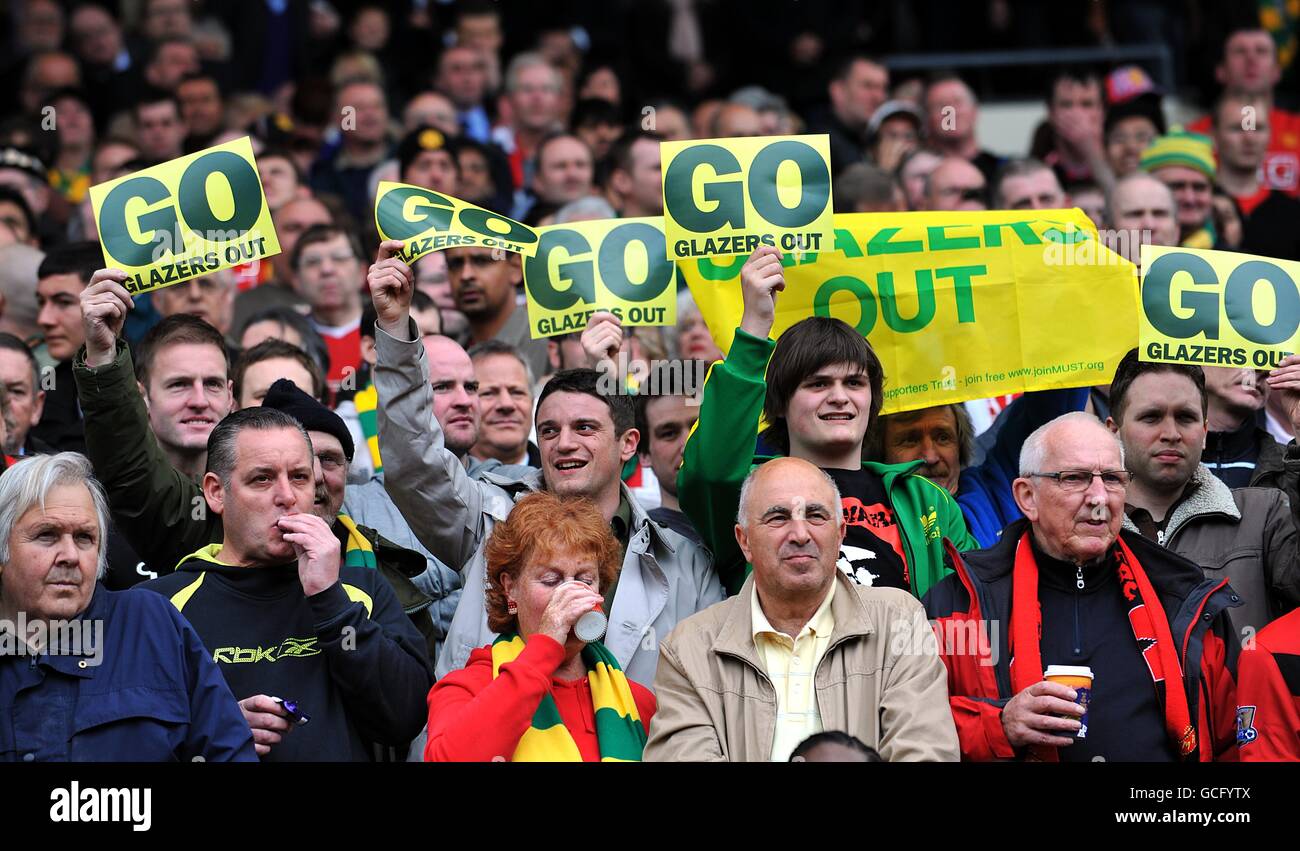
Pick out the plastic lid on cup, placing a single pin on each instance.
(1067, 671)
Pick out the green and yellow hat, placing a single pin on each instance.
(1180, 147)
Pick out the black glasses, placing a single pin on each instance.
(1075, 481)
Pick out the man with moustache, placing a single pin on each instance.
(1246, 535)
(1068, 586)
(483, 283)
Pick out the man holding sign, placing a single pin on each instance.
(585, 437)
(821, 391)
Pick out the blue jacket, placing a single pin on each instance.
(142, 690)
(984, 491)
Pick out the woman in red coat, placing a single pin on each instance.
(539, 693)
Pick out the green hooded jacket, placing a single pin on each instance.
(718, 457)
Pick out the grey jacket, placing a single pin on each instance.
(1244, 535)
(370, 505)
(664, 577)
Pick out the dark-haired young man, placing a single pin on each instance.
(667, 406)
(819, 393)
(148, 422)
(160, 129)
(484, 285)
(1075, 115)
(257, 368)
(858, 86)
(584, 437)
(635, 182)
(60, 279)
(1245, 535)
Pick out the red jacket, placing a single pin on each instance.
(474, 718)
(1268, 694)
(979, 592)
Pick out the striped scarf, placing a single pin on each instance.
(1150, 630)
(358, 553)
(366, 401)
(619, 730)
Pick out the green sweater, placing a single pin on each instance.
(718, 457)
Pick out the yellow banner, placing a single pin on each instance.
(185, 218)
(957, 306)
(612, 264)
(429, 221)
(1218, 308)
(728, 196)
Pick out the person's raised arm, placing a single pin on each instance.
(425, 479)
(159, 509)
(719, 452)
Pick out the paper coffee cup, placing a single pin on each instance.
(1078, 678)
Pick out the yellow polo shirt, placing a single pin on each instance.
(791, 666)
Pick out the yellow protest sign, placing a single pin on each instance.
(1218, 308)
(430, 221)
(958, 306)
(729, 196)
(612, 264)
(184, 218)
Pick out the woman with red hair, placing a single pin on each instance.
(539, 693)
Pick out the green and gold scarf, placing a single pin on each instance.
(619, 730)
(358, 552)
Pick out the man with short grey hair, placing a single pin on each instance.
(1027, 184)
(505, 397)
(955, 184)
(1068, 587)
(66, 642)
(210, 297)
(533, 91)
(590, 209)
(1141, 211)
(801, 648)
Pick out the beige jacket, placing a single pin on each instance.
(880, 680)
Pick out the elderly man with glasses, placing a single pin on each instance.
(1068, 587)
